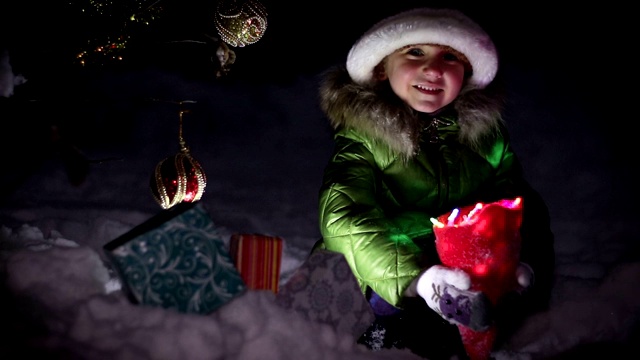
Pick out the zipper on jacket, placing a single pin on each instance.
(435, 140)
(432, 129)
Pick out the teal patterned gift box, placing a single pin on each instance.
(176, 260)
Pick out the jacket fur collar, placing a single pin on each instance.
(377, 113)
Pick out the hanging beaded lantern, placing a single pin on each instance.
(178, 178)
(240, 22)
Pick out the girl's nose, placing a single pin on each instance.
(432, 68)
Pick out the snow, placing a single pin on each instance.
(263, 147)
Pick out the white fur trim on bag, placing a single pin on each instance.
(425, 26)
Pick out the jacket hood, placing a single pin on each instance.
(376, 112)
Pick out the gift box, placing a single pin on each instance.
(176, 260)
(258, 259)
(323, 289)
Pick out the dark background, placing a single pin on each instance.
(579, 61)
(306, 36)
(587, 49)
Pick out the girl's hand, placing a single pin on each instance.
(446, 291)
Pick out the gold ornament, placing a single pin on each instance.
(240, 22)
(178, 178)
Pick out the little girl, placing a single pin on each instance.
(418, 132)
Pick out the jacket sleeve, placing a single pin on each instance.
(378, 249)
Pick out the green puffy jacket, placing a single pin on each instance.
(393, 169)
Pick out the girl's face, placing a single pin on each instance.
(426, 77)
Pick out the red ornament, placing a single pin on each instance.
(483, 240)
(178, 178)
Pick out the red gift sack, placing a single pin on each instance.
(484, 241)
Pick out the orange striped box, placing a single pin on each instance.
(258, 259)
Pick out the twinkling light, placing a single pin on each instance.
(117, 21)
(99, 52)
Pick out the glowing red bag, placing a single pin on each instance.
(483, 240)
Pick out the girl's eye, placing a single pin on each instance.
(415, 52)
(450, 57)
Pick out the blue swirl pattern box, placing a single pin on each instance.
(176, 260)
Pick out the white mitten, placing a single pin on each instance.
(525, 277)
(446, 291)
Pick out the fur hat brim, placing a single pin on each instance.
(425, 26)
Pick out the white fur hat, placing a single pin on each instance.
(425, 26)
